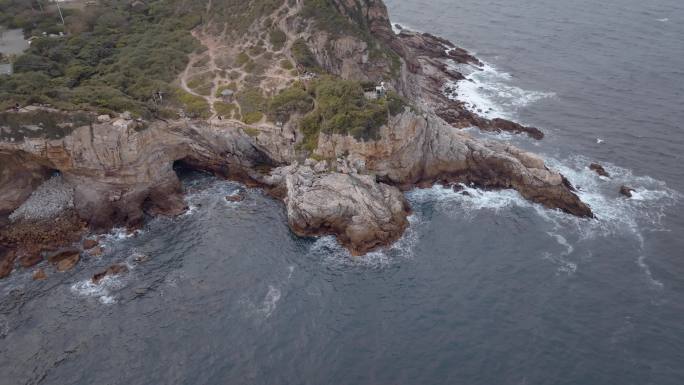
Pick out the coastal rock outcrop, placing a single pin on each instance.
(108, 175)
(110, 271)
(416, 148)
(361, 212)
(113, 172)
(626, 191)
(57, 186)
(600, 170)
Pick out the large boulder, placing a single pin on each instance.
(362, 213)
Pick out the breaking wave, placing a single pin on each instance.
(490, 92)
(103, 290)
(616, 215)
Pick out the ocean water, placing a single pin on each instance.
(484, 288)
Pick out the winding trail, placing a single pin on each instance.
(214, 48)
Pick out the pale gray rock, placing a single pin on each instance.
(49, 200)
(361, 212)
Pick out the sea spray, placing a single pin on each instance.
(488, 92)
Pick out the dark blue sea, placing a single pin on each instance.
(483, 289)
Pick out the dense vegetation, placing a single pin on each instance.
(115, 57)
(342, 108)
(303, 55)
(120, 55)
(330, 105)
(34, 17)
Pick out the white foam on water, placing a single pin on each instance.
(120, 233)
(490, 93)
(614, 212)
(402, 27)
(332, 253)
(663, 20)
(616, 215)
(192, 209)
(469, 200)
(564, 264)
(102, 290)
(261, 310)
(270, 302)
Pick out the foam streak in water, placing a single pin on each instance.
(489, 92)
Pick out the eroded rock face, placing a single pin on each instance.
(423, 149)
(115, 171)
(361, 212)
(109, 175)
(18, 179)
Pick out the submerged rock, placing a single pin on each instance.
(89, 244)
(7, 258)
(110, 271)
(597, 168)
(96, 251)
(68, 263)
(30, 258)
(65, 260)
(238, 196)
(39, 275)
(626, 191)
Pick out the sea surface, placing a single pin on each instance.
(483, 289)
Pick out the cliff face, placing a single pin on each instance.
(117, 171)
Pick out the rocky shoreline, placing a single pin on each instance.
(116, 172)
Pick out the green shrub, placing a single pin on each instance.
(252, 117)
(195, 106)
(278, 39)
(286, 64)
(342, 108)
(113, 58)
(202, 83)
(395, 103)
(251, 100)
(251, 131)
(224, 109)
(303, 55)
(310, 126)
(289, 101)
(250, 66)
(241, 59)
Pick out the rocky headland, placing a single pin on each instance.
(60, 182)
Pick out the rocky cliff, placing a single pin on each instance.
(114, 172)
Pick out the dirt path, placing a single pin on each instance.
(214, 48)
